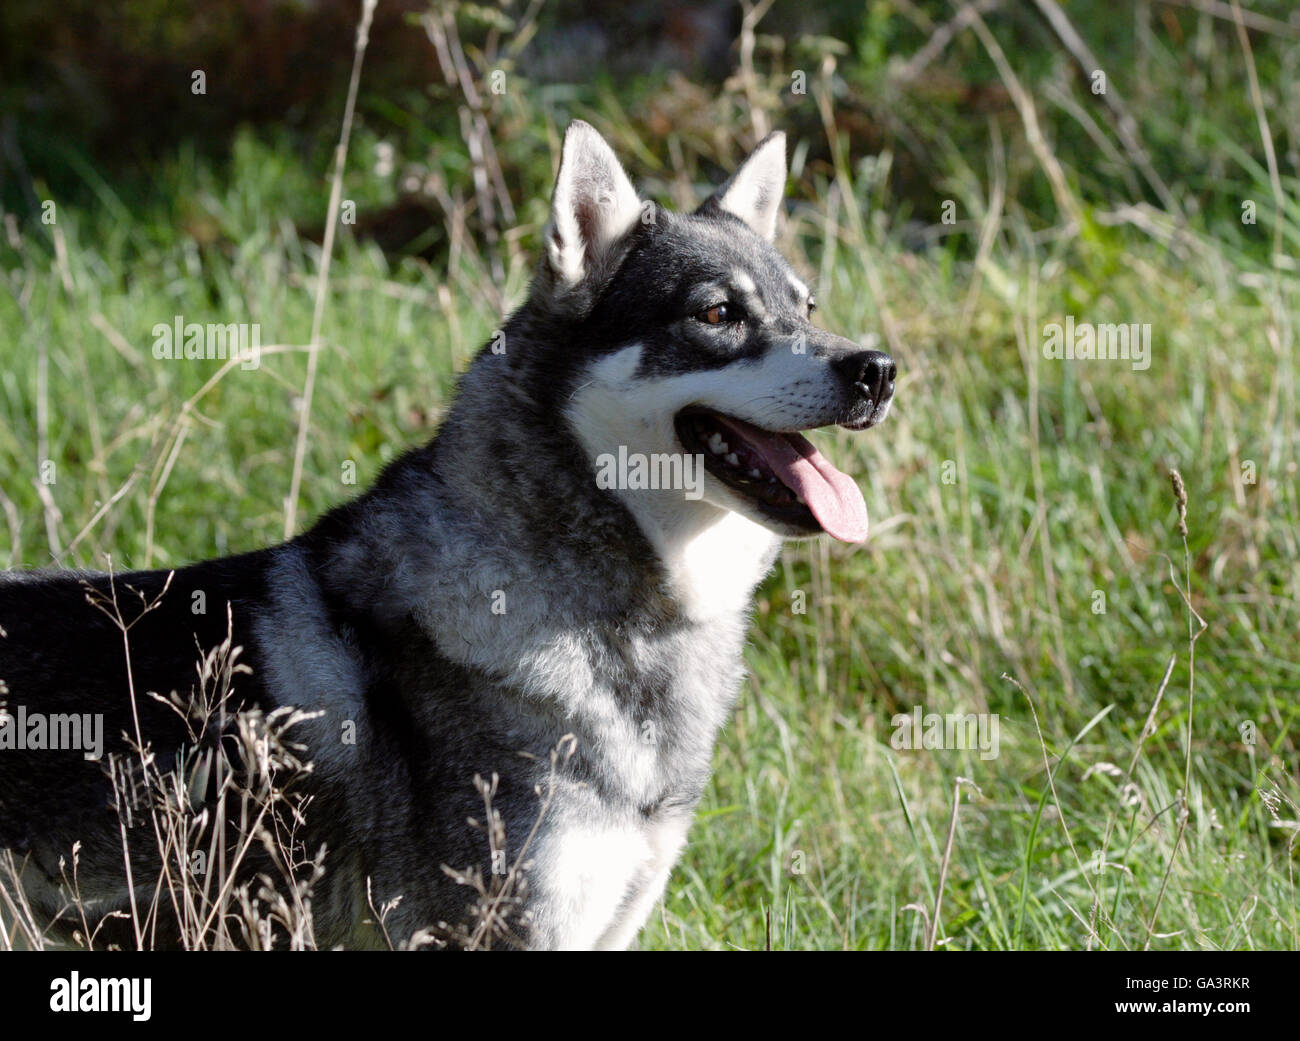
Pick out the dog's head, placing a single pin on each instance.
(692, 337)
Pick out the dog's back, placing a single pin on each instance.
(64, 653)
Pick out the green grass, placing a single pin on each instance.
(1006, 490)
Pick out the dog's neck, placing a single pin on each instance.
(712, 558)
(532, 478)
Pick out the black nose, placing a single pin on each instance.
(870, 373)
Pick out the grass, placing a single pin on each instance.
(1025, 557)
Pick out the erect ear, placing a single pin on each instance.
(593, 207)
(755, 191)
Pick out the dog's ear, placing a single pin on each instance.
(755, 191)
(593, 207)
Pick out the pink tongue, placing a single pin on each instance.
(832, 496)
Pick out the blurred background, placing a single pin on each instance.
(963, 174)
(85, 86)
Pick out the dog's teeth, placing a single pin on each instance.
(754, 473)
(733, 459)
(716, 445)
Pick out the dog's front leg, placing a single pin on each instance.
(593, 880)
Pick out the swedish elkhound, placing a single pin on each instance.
(568, 564)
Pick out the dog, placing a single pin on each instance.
(519, 600)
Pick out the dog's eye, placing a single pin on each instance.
(721, 314)
(812, 305)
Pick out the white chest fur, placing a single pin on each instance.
(599, 883)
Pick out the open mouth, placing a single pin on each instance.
(785, 477)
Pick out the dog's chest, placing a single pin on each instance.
(644, 705)
(596, 878)
(644, 691)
